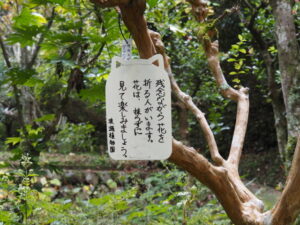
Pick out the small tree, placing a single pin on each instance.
(221, 175)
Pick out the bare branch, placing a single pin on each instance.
(188, 102)
(288, 207)
(240, 128)
(212, 53)
(240, 96)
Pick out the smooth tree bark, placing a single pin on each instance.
(275, 91)
(289, 65)
(221, 175)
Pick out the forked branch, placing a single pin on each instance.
(241, 205)
(223, 179)
(188, 102)
(239, 96)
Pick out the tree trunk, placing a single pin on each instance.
(289, 65)
(275, 91)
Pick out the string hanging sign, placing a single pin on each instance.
(138, 110)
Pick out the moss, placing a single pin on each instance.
(293, 105)
(289, 153)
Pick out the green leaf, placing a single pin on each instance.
(29, 18)
(243, 50)
(236, 80)
(44, 2)
(100, 201)
(238, 65)
(94, 93)
(233, 73)
(48, 117)
(13, 140)
(241, 38)
(231, 60)
(152, 3)
(7, 217)
(19, 76)
(235, 46)
(25, 35)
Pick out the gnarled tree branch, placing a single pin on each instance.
(239, 96)
(240, 204)
(188, 102)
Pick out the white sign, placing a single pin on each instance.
(138, 110)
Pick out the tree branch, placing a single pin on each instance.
(133, 17)
(188, 102)
(239, 96)
(239, 203)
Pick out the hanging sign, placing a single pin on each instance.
(138, 110)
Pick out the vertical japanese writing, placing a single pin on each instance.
(111, 135)
(148, 109)
(137, 89)
(123, 105)
(138, 109)
(160, 98)
(138, 121)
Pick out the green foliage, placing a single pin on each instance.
(167, 196)
(237, 57)
(73, 138)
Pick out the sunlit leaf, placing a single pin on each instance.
(13, 140)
